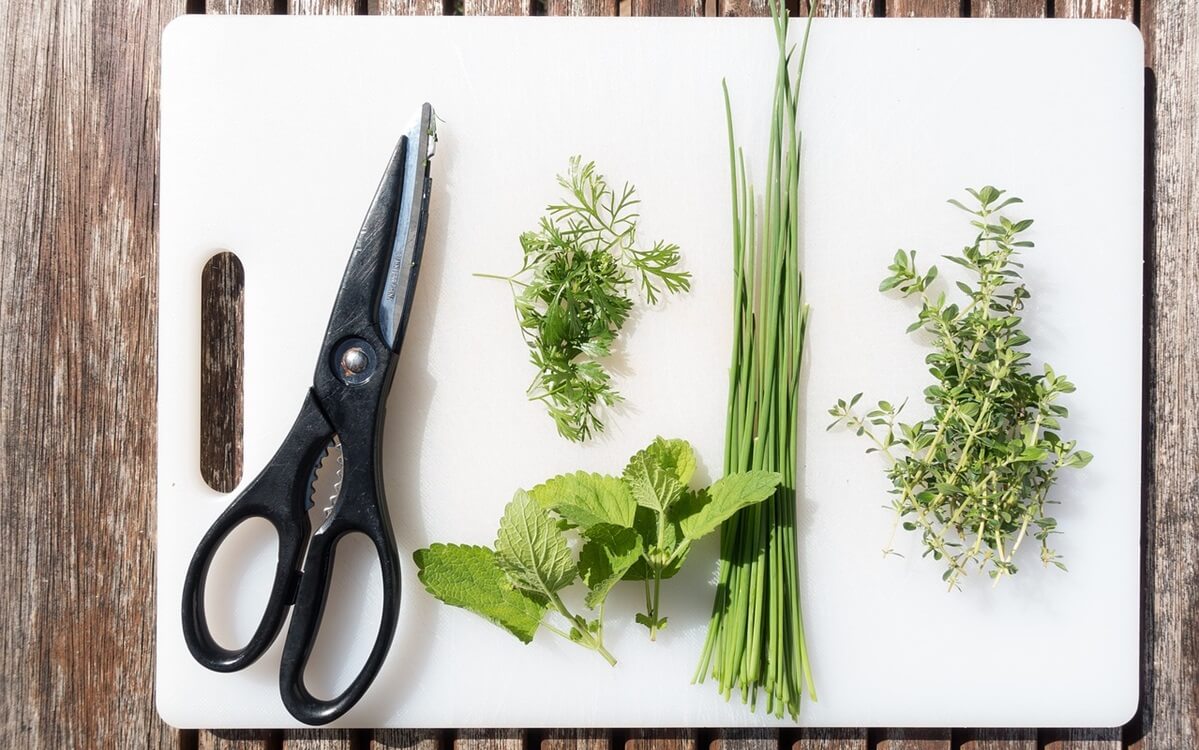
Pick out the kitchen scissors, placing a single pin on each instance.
(345, 405)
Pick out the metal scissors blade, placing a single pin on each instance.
(396, 298)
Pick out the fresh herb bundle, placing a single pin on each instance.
(755, 639)
(572, 294)
(638, 526)
(974, 479)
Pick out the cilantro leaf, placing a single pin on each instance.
(469, 577)
(657, 475)
(605, 557)
(702, 512)
(584, 499)
(531, 549)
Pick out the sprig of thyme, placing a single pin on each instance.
(572, 298)
(974, 479)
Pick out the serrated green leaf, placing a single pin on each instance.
(469, 577)
(607, 554)
(705, 511)
(585, 499)
(530, 548)
(646, 525)
(653, 474)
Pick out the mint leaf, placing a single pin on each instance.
(646, 525)
(531, 549)
(585, 500)
(469, 577)
(605, 557)
(703, 512)
(653, 474)
(674, 456)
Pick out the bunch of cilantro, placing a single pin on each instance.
(635, 527)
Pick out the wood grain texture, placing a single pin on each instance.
(576, 739)
(78, 264)
(406, 7)
(1170, 616)
(318, 739)
(325, 7)
(237, 739)
(923, 8)
(497, 7)
(405, 739)
(831, 739)
(840, 8)
(915, 739)
(1008, 8)
(998, 739)
(1082, 739)
(662, 739)
(667, 7)
(829, 8)
(489, 739)
(1094, 9)
(745, 739)
(222, 321)
(582, 7)
(239, 7)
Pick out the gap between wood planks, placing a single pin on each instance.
(737, 739)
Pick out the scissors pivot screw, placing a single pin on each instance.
(355, 361)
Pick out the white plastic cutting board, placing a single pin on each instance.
(274, 133)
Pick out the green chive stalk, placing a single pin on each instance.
(755, 641)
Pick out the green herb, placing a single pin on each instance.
(755, 639)
(974, 479)
(572, 294)
(639, 526)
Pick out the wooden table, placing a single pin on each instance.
(78, 158)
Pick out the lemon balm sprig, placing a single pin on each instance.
(974, 479)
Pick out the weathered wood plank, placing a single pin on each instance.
(405, 739)
(999, 739)
(582, 7)
(324, 7)
(489, 739)
(923, 8)
(915, 739)
(78, 263)
(839, 8)
(831, 739)
(497, 7)
(236, 739)
(662, 739)
(1008, 8)
(1170, 661)
(830, 8)
(239, 7)
(746, 739)
(406, 7)
(1094, 9)
(666, 7)
(318, 739)
(576, 739)
(1081, 739)
(222, 317)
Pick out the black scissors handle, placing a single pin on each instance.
(278, 494)
(359, 511)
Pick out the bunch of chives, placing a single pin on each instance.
(755, 640)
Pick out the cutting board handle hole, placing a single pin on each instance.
(222, 332)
